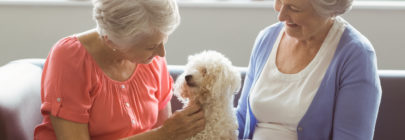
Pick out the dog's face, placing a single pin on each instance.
(195, 78)
(208, 76)
(198, 82)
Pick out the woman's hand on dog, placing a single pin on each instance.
(184, 124)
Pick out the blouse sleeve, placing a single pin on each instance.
(165, 82)
(66, 82)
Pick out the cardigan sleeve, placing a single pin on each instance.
(358, 96)
(242, 104)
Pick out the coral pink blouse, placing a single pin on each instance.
(74, 88)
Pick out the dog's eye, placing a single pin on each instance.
(204, 71)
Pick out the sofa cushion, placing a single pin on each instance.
(20, 99)
(391, 116)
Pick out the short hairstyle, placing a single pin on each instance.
(125, 20)
(331, 8)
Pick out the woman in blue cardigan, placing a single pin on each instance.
(312, 76)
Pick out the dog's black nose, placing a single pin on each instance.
(188, 77)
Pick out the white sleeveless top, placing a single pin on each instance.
(279, 100)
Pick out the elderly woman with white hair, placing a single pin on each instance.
(112, 82)
(312, 76)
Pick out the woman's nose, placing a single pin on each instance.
(282, 14)
(282, 10)
(278, 7)
(161, 50)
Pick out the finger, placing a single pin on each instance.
(200, 124)
(199, 129)
(196, 116)
(194, 108)
(197, 125)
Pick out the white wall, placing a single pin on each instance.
(30, 30)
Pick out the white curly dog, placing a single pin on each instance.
(210, 80)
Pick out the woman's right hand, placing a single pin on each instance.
(184, 124)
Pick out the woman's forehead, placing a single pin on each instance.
(152, 38)
(156, 38)
(295, 2)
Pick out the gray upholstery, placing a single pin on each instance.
(20, 100)
(391, 116)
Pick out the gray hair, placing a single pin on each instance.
(331, 8)
(125, 20)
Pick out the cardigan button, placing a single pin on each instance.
(300, 129)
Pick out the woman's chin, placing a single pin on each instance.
(148, 61)
(136, 62)
(293, 33)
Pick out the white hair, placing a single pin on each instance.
(125, 20)
(331, 8)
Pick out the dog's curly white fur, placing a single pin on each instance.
(210, 80)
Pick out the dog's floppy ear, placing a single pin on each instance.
(232, 80)
(222, 85)
(236, 80)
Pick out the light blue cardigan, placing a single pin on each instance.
(346, 104)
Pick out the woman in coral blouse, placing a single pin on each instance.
(112, 82)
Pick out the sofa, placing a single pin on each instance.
(20, 100)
